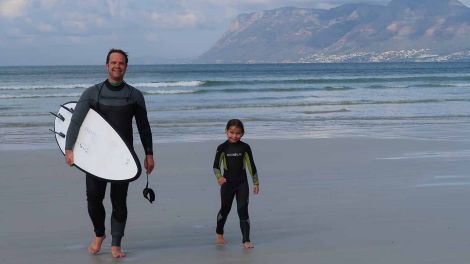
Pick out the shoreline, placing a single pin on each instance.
(220, 138)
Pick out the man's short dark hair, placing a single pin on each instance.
(116, 51)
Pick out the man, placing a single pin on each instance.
(118, 102)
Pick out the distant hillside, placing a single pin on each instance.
(418, 30)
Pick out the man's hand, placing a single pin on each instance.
(69, 157)
(149, 163)
(256, 189)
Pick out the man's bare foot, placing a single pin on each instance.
(117, 252)
(248, 245)
(95, 245)
(219, 239)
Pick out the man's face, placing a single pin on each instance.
(116, 67)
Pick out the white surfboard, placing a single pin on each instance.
(99, 150)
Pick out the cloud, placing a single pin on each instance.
(249, 5)
(114, 7)
(48, 3)
(187, 19)
(154, 38)
(75, 26)
(12, 8)
(45, 27)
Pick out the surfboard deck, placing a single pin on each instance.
(99, 149)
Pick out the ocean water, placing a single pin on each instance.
(280, 101)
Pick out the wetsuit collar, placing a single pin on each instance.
(114, 86)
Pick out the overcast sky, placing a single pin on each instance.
(58, 32)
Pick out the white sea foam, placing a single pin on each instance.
(43, 87)
(169, 92)
(8, 96)
(86, 85)
(458, 154)
(169, 84)
(440, 177)
(461, 85)
(442, 184)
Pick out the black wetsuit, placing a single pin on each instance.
(118, 105)
(234, 157)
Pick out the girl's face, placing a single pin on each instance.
(234, 134)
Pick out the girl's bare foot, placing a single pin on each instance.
(248, 245)
(95, 245)
(219, 239)
(117, 252)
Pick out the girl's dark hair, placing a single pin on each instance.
(111, 51)
(236, 123)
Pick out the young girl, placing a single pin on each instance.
(233, 154)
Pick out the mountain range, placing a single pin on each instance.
(416, 30)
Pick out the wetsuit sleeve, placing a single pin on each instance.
(79, 114)
(219, 158)
(250, 164)
(143, 125)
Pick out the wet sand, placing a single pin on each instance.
(342, 200)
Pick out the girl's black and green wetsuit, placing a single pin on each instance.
(234, 158)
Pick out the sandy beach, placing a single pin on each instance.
(341, 200)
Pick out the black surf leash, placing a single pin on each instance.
(149, 194)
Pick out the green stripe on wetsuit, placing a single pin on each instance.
(251, 167)
(223, 161)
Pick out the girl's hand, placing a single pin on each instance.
(221, 181)
(256, 189)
